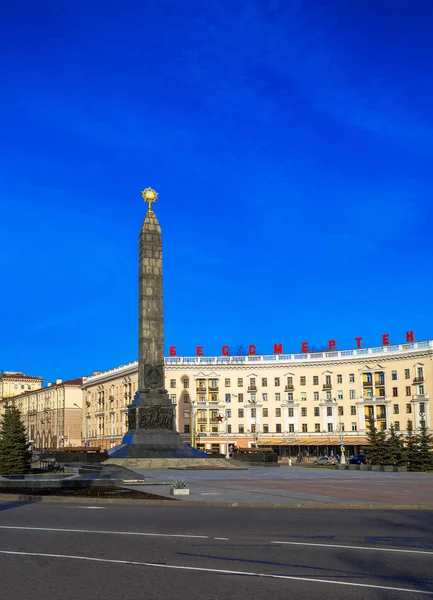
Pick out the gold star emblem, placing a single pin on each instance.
(150, 196)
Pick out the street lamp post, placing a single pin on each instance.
(340, 428)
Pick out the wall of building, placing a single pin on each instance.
(274, 399)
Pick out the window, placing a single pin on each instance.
(329, 411)
(315, 380)
(394, 375)
(421, 390)
(289, 381)
(240, 382)
(353, 426)
(172, 383)
(316, 395)
(303, 380)
(353, 410)
(420, 373)
(186, 383)
(253, 413)
(303, 412)
(264, 382)
(352, 394)
(214, 397)
(277, 397)
(317, 427)
(408, 390)
(340, 395)
(394, 392)
(278, 412)
(278, 427)
(240, 413)
(277, 381)
(186, 428)
(327, 379)
(229, 428)
(351, 377)
(422, 408)
(227, 382)
(407, 373)
(291, 428)
(328, 396)
(186, 398)
(213, 383)
(228, 413)
(340, 411)
(265, 397)
(290, 396)
(228, 398)
(252, 382)
(408, 408)
(330, 427)
(241, 429)
(304, 428)
(303, 396)
(395, 409)
(253, 397)
(397, 425)
(240, 397)
(265, 412)
(316, 411)
(291, 413)
(339, 378)
(265, 428)
(173, 398)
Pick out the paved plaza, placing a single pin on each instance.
(299, 485)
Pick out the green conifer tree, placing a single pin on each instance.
(395, 448)
(376, 452)
(425, 446)
(15, 456)
(412, 452)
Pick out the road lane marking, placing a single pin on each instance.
(169, 535)
(216, 571)
(354, 547)
(221, 539)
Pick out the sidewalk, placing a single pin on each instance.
(297, 485)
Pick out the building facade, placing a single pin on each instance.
(310, 402)
(13, 384)
(52, 414)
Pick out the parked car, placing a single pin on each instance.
(325, 460)
(359, 459)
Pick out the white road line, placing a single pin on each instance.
(355, 547)
(221, 539)
(169, 535)
(217, 571)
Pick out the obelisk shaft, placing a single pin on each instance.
(150, 302)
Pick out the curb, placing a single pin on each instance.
(186, 503)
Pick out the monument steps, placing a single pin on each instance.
(166, 463)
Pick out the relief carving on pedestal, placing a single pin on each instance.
(132, 419)
(156, 417)
(153, 376)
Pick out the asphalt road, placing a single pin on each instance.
(72, 551)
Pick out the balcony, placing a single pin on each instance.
(252, 388)
(380, 381)
(213, 388)
(201, 388)
(418, 379)
(111, 398)
(289, 387)
(327, 386)
(366, 383)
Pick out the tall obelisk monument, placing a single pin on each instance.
(150, 301)
(152, 432)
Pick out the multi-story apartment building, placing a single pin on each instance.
(293, 402)
(52, 415)
(12, 384)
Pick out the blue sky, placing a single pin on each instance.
(291, 144)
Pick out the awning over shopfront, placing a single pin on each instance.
(328, 441)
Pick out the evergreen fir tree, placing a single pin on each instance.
(412, 452)
(376, 452)
(15, 456)
(425, 446)
(395, 448)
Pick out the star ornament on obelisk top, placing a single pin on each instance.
(150, 196)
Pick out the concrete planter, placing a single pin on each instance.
(179, 491)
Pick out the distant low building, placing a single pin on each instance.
(15, 383)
